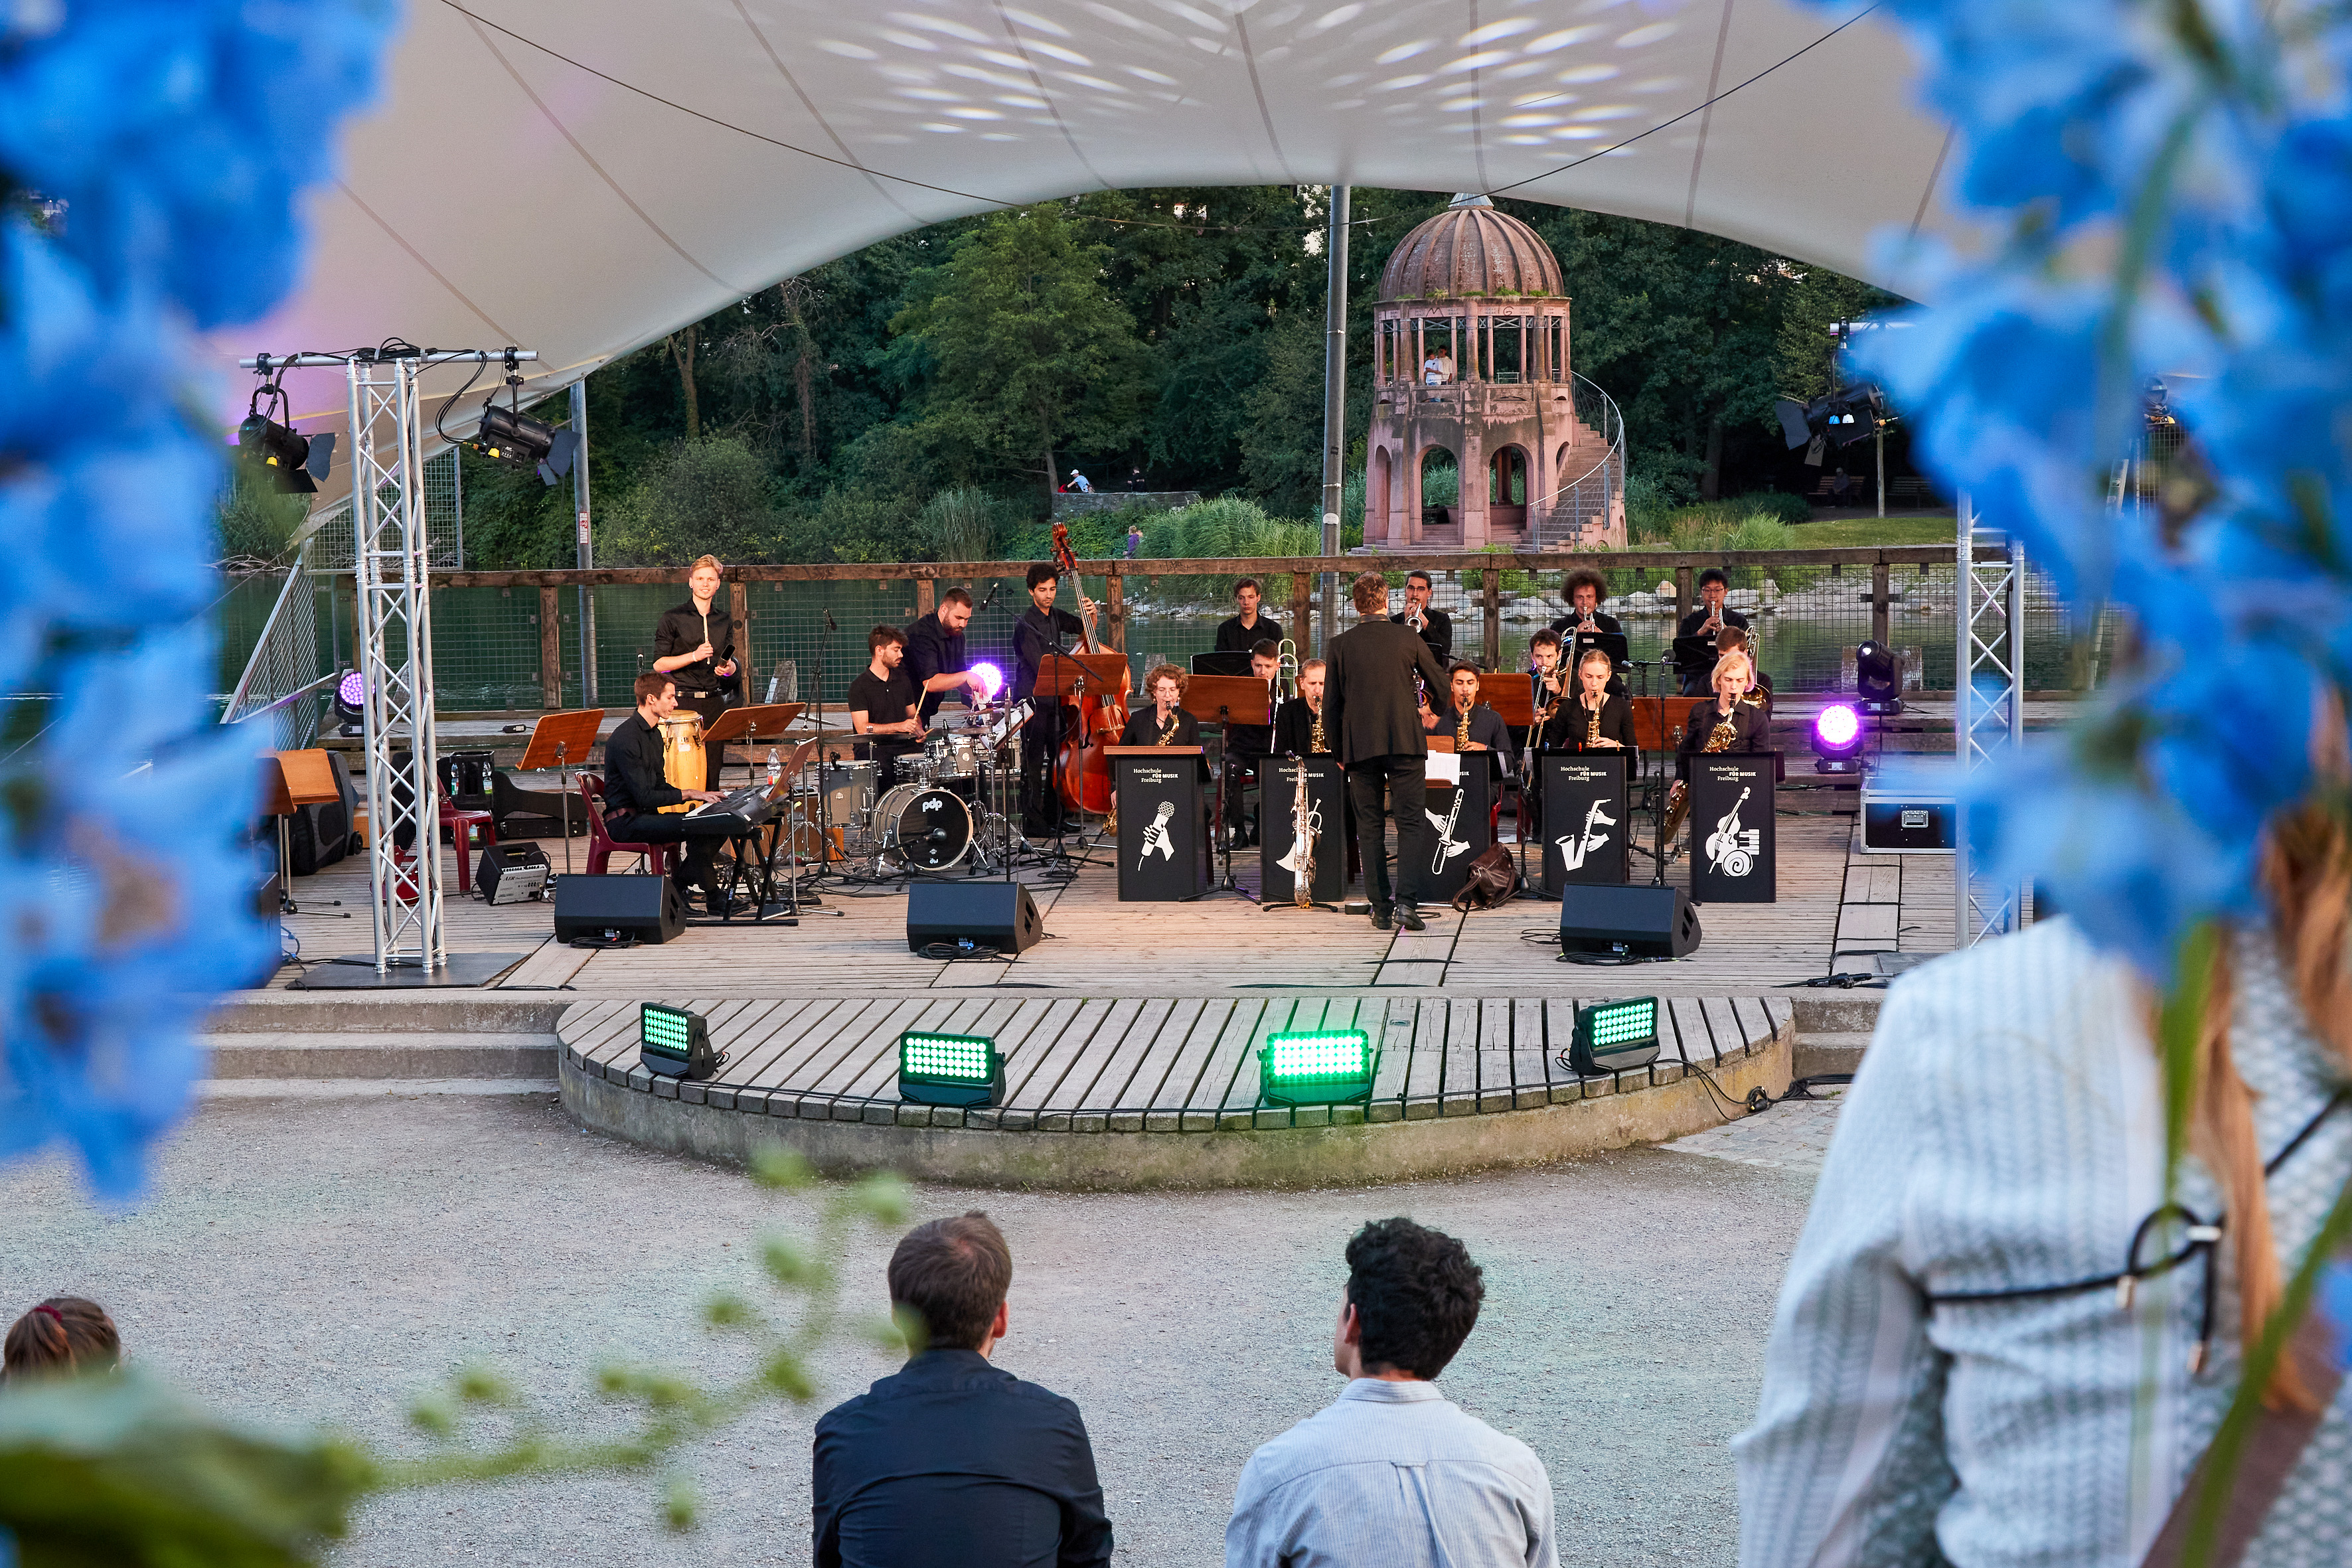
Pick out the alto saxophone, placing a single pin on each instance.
(1305, 822)
(1718, 739)
(1592, 727)
(1462, 732)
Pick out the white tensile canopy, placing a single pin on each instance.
(581, 176)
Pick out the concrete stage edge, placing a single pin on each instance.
(1396, 1142)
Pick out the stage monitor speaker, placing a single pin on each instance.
(1001, 915)
(647, 908)
(510, 873)
(1641, 921)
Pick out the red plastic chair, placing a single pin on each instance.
(603, 845)
(469, 830)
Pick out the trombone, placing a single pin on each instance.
(1285, 675)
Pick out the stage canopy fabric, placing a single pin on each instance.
(581, 176)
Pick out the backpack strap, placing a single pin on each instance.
(2276, 1441)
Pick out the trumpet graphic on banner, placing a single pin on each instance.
(1157, 838)
(1448, 846)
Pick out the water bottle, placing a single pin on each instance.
(776, 770)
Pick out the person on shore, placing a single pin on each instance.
(950, 1462)
(63, 1336)
(1392, 1473)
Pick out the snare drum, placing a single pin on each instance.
(953, 758)
(684, 764)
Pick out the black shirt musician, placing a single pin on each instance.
(1586, 589)
(1241, 633)
(1043, 629)
(1299, 730)
(1164, 723)
(1597, 719)
(636, 790)
(1434, 627)
(882, 704)
(1549, 686)
(1372, 714)
(1707, 620)
(694, 644)
(935, 653)
(1472, 726)
(1746, 726)
(1245, 743)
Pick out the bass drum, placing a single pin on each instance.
(923, 829)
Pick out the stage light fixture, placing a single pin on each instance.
(1878, 682)
(1318, 1066)
(675, 1042)
(950, 1069)
(510, 436)
(351, 699)
(991, 678)
(295, 461)
(1611, 1037)
(1837, 739)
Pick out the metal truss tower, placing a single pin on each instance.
(391, 550)
(1988, 712)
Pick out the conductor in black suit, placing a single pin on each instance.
(1372, 714)
(1434, 627)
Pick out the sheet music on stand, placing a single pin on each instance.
(563, 741)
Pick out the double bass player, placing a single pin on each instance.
(1042, 629)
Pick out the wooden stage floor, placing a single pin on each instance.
(1835, 908)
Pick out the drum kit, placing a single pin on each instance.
(943, 811)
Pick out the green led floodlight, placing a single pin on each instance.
(675, 1042)
(1318, 1066)
(1614, 1035)
(950, 1069)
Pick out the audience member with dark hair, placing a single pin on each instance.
(1392, 1473)
(950, 1463)
(62, 1336)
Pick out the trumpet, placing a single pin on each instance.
(1285, 675)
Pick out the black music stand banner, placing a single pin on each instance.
(1733, 860)
(1461, 827)
(1163, 854)
(1327, 811)
(1586, 823)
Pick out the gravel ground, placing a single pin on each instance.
(318, 1263)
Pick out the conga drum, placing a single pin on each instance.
(683, 762)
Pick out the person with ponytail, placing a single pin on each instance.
(62, 1336)
(2001, 1339)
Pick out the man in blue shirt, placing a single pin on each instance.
(951, 1463)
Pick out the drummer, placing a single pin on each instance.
(936, 655)
(882, 704)
(694, 644)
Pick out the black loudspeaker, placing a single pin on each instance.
(1642, 922)
(647, 908)
(510, 873)
(1001, 915)
(465, 779)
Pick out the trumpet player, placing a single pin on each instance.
(1434, 627)
(1299, 729)
(1707, 621)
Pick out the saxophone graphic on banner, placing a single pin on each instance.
(1575, 847)
(1158, 838)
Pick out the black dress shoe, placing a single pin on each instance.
(1381, 921)
(1408, 918)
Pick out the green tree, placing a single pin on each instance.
(714, 496)
(1032, 356)
(1819, 303)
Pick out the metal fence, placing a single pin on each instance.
(805, 627)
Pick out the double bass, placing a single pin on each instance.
(1087, 783)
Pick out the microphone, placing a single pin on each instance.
(993, 587)
(828, 622)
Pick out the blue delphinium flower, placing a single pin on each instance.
(2162, 190)
(169, 139)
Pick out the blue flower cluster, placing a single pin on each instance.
(151, 153)
(2164, 188)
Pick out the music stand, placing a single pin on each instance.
(746, 724)
(1231, 661)
(1077, 675)
(1613, 644)
(554, 741)
(1692, 653)
(793, 766)
(290, 781)
(1225, 701)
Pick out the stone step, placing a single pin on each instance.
(1828, 1052)
(1835, 1011)
(418, 1055)
(387, 1012)
(354, 1089)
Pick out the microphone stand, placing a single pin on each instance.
(824, 795)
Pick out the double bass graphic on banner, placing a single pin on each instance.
(1733, 854)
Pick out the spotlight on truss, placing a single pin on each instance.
(510, 436)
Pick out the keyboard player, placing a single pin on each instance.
(635, 790)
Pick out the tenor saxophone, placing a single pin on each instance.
(1300, 861)
(1718, 739)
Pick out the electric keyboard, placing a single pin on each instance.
(749, 807)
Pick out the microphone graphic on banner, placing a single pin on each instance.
(1157, 838)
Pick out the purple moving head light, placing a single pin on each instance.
(1837, 739)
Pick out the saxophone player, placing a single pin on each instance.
(1298, 723)
(1598, 720)
(1728, 724)
(1474, 726)
(1164, 723)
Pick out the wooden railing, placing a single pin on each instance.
(927, 576)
